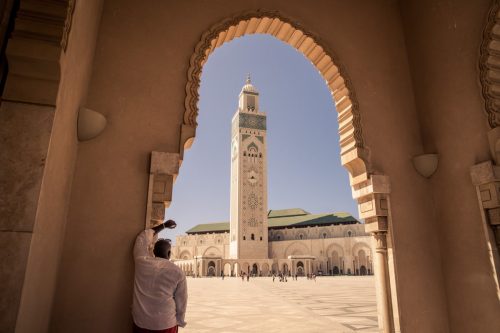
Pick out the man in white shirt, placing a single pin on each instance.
(160, 290)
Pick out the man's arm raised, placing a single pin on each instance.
(146, 238)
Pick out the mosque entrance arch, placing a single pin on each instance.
(300, 268)
(285, 269)
(264, 269)
(245, 268)
(255, 270)
(336, 270)
(227, 269)
(372, 190)
(211, 268)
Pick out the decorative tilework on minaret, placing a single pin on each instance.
(248, 212)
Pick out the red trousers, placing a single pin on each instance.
(138, 329)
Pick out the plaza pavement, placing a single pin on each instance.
(331, 304)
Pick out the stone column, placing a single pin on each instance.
(382, 282)
(373, 205)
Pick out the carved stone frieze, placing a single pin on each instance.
(164, 168)
(380, 241)
(67, 24)
(373, 202)
(489, 65)
(486, 177)
(292, 32)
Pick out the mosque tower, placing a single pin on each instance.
(248, 209)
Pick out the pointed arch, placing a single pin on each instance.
(334, 247)
(296, 248)
(489, 70)
(274, 23)
(212, 251)
(359, 246)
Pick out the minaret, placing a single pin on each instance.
(248, 213)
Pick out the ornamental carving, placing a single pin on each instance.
(252, 121)
(296, 35)
(67, 24)
(489, 66)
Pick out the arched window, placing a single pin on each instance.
(279, 237)
(201, 241)
(324, 235)
(244, 238)
(301, 236)
(252, 237)
(349, 233)
(260, 237)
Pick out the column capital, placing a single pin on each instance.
(373, 202)
(380, 241)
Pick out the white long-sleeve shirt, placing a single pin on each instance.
(160, 290)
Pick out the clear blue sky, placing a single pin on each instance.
(304, 167)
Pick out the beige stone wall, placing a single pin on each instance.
(336, 248)
(443, 51)
(413, 66)
(189, 246)
(45, 89)
(140, 89)
(333, 231)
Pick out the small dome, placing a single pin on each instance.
(248, 87)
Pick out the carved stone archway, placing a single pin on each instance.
(486, 176)
(293, 33)
(371, 191)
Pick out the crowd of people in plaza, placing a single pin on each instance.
(282, 277)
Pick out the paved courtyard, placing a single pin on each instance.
(331, 304)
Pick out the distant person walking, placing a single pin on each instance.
(160, 289)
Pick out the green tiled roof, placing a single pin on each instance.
(210, 227)
(294, 217)
(286, 212)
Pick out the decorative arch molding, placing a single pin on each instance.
(489, 65)
(361, 246)
(212, 251)
(334, 247)
(277, 234)
(370, 190)
(484, 175)
(296, 246)
(185, 253)
(290, 31)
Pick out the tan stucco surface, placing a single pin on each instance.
(413, 66)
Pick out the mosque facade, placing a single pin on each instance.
(261, 242)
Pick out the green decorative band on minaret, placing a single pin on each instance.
(253, 121)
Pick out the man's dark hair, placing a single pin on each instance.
(162, 248)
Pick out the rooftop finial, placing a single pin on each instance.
(248, 79)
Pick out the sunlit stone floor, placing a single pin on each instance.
(331, 304)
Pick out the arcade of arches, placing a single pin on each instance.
(415, 87)
(312, 253)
